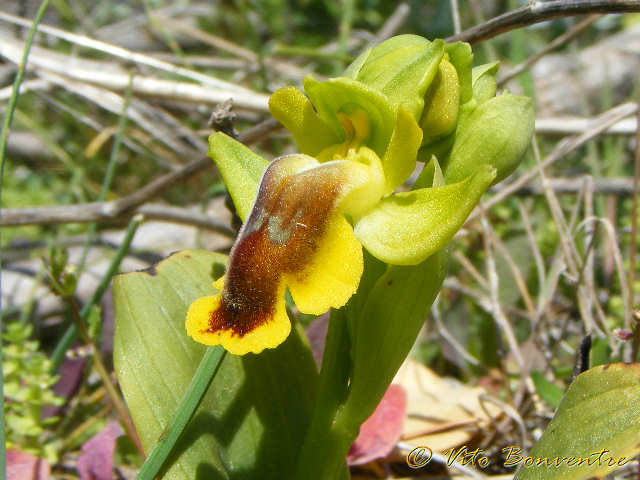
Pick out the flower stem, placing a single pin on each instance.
(323, 452)
(199, 385)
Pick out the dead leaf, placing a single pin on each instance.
(442, 413)
(24, 466)
(96, 460)
(381, 432)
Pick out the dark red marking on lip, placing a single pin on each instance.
(280, 236)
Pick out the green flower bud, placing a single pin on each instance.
(401, 68)
(484, 82)
(496, 133)
(442, 101)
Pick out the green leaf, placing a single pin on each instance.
(601, 410)
(548, 391)
(385, 327)
(407, 228)
(252, 420)
(241, 170)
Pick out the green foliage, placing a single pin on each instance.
(27, 389)
(599, 413)
(251, 422)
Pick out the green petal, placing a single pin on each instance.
(402, 68)
(241, 170)
(407, 228)
(343, 95)
(293, 110)
(400, 158)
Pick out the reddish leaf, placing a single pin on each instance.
(24, 466)
(96, 460)
(380, 433)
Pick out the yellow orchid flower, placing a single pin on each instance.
(307, 216)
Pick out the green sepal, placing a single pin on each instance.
(402, 68)
(293, 110)
(461, 56)
(430, 176)
(496, 133)
(354, 67)
(409, 227)
(241, 170)
(484, 81)
(343, 95)
(399, 159)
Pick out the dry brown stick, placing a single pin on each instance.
(607, 186)
(561, 40)
(126, 206)
(537, 11)
(601, 123)
(125, 54)
(566, 125)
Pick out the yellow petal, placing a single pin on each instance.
(269, 334)
(333, 273)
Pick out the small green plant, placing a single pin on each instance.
(27, 387)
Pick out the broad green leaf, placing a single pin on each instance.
(601, 410)
(407, 228)
(254, 416)
(241, 170)
(385, 318)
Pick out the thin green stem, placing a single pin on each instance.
(111, 168)
(199, 385)
(321, 455)
(13, 100)
(72, 332)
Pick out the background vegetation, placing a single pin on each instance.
(105, 171)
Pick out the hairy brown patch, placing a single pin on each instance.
(279, 237)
